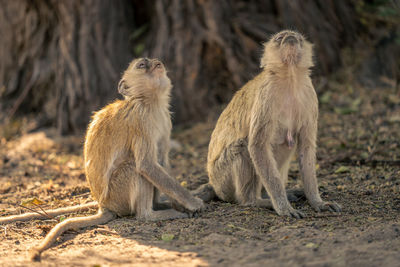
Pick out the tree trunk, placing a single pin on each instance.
(61, 59)
(214, 47)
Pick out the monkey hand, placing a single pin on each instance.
(192, 209)
(326, 206)
(290, 212)
(196, 206)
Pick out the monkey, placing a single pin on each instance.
(126, 155)
(270, 118)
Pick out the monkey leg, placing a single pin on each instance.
(160, 203)
(130, 193)
(121, 197)
(247, 184)
(144, 204)
(236, 179)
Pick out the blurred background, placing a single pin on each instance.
(61, 60)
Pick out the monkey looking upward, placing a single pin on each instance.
(268, 120)
(126, 156)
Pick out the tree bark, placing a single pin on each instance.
(214, 47)
(61, 59)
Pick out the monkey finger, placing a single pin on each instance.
(297, 214)
(327, 206)
(317, 209)
(193, 214)
(334, 207)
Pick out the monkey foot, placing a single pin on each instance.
(327, 206)
(196, 207)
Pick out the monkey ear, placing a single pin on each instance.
(122, 87)
(263, 61)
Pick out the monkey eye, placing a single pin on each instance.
(158, 65)
(279, 38)
(141, 65)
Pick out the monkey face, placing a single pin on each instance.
(290, 46)
(287, 48)
(144, 73)
(149, 66)
(288, 38)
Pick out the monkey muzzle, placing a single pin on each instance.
(290, 50)
(290, 40)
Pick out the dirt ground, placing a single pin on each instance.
(358, 167)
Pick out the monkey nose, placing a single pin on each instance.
(290, 40)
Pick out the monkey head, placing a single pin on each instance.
(288, 48)
(144, 76)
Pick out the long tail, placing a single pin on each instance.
(103, 216)
(55, 212)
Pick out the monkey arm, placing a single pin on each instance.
(168, 185)
(306, 151)
(307, 162)
(163, 151)
(147, 165)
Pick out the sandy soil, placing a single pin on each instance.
(359, 167)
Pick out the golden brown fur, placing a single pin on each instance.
(126, 155)
(270, 118)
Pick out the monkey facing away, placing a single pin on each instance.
(270, 118)
(126, 155)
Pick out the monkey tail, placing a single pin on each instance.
(103, 216)
(51, 213)
(205, 192)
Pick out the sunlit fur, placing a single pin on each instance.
(126, 154)
(280, 54)
(268, 120)
(145, 84)
(113, 129)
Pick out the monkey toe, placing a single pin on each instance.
(297, 214)
(334, 207)
(195, 214)
(291, 212)
(327, 206)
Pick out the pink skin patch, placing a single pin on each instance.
(289, 139)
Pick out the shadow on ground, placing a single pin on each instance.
(358, 167)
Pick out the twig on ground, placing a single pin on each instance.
(48, 215)
(38, 212)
